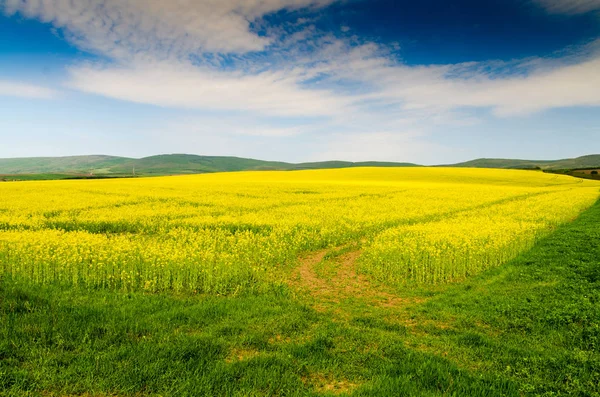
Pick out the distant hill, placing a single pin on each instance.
(100, 166)
(167, 164)
(72, 164)
(590, 161)
(192, 164)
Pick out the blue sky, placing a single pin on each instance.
(433, 81)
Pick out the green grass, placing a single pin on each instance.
(530, 327)
(53, 177)
(33, 177)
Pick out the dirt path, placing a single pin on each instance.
(333, 280)
(330, 280)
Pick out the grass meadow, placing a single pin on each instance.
(366, 282)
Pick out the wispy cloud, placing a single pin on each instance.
(570, 6)
(25, 90)
(185, 86)
(223, 56)
(350, 80)
(159, 51)
(544, 87)
(120, 28)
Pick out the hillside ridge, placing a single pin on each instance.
(588, 161)
(170, 164)
(164, 164)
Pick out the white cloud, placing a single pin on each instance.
(24, 90)
(541, 89)
(352, 86)
(380, 88)
(186, 86)
(506, 88)
(120, 28)
(570, 6)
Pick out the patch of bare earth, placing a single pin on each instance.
(241, 355)
(338, 289)
(343, 284)
(326, 384)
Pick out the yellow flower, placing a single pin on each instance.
(220, 233)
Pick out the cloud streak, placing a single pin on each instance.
(541, 89)
(379, 84)
(25, 90)
(570, 6)
(120, 28)
(186, 86)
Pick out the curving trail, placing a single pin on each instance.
(331, 279)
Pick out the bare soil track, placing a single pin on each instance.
(332, 279)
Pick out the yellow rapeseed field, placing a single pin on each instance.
(223, 233)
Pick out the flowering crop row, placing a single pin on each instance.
(223, 233)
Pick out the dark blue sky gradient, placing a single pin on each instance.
(25, 37)
(36, 48)
(428, 31)
(453, 31)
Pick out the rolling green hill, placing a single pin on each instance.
(167, 164)
(175, 164)
(566, 164)
(190, 164)
(71, 164)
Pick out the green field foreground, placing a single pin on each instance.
(530, 327)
